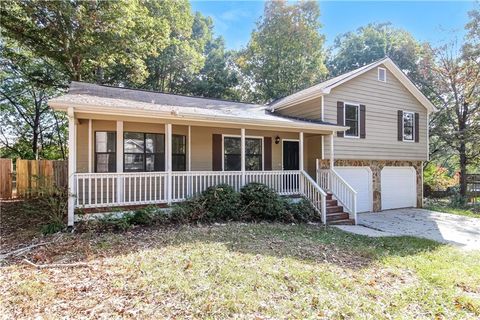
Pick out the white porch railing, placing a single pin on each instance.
(93, 190)
(329, 179)
(317, 197)
(135, 188)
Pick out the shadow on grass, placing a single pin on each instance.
(311, 243)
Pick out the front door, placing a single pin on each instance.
(290, 155)
(290, 162)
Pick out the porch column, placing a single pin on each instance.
(168, 160)
(331, 152)
(119, 149)
(242, 139)
(90, 144)
(300, 151)
(189, 161)
(72, 148)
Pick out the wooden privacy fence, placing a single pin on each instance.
(6, 178)
(33, 177)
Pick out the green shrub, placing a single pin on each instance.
(52, 227)
(188, 211)
(259, 202)
(116, 222)
(220, 202)
(301, 211)
(143, 216)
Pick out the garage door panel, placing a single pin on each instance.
(360, 179)
(398, 187)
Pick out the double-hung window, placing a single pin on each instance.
(179, 152)
(352, 116)
(408, 126)
(143, 152)
(232, 154)
(105, 151)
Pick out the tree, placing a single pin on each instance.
(175, 66)
(218, 78)
(456, 126)
(373, 42)
(285, 52)
(86, 37)
(29, 129)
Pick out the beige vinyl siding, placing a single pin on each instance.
(201, 141)
(382, 101)
(311, 109)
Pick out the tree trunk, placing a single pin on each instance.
(463, 170)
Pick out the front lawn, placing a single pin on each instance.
(242, 271)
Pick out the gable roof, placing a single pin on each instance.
(325, 87)
(100, 99)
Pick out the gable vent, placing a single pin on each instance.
(382, 74)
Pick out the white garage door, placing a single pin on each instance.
(360, 179)
(399, 187)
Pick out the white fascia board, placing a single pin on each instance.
(119, 111)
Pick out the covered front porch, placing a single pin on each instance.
(130, 161)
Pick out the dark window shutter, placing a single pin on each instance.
(362, 122)
(217, 152)
(267, 157)
(416, 132)
(340, 119)
(400, 125)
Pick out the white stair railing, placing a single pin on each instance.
(312, 191)
(330, 180)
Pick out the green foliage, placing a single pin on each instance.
(218, 77)
(52, 228)
(28, 127)
(260, 202)
(372, 42)
(285, 52)
(89, 36)
(221, 203)
(438, 178)
(301, 211)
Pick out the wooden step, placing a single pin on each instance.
(337, 216)
(342, 222)
(329, 196)
(334, 209)
(332, 203)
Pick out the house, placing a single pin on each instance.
(350, 144)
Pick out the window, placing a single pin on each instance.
(105, 152)
(382, 74)
(179, 159)
(408, 126)
(143, 152)
(253, 154)
(232, 154)
(351, 120)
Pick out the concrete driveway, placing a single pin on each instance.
(438, 226)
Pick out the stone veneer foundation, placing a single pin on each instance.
(376, 166)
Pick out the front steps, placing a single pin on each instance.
(335, 213)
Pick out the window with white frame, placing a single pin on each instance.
(408, 126)
(105, 151)
(382, 74)
(143, 152)
(232, 154)
(352, 117)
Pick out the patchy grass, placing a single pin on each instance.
(242, 271)
(443, 205)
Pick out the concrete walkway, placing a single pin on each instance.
(438, 226)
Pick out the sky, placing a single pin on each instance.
(433, 21)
